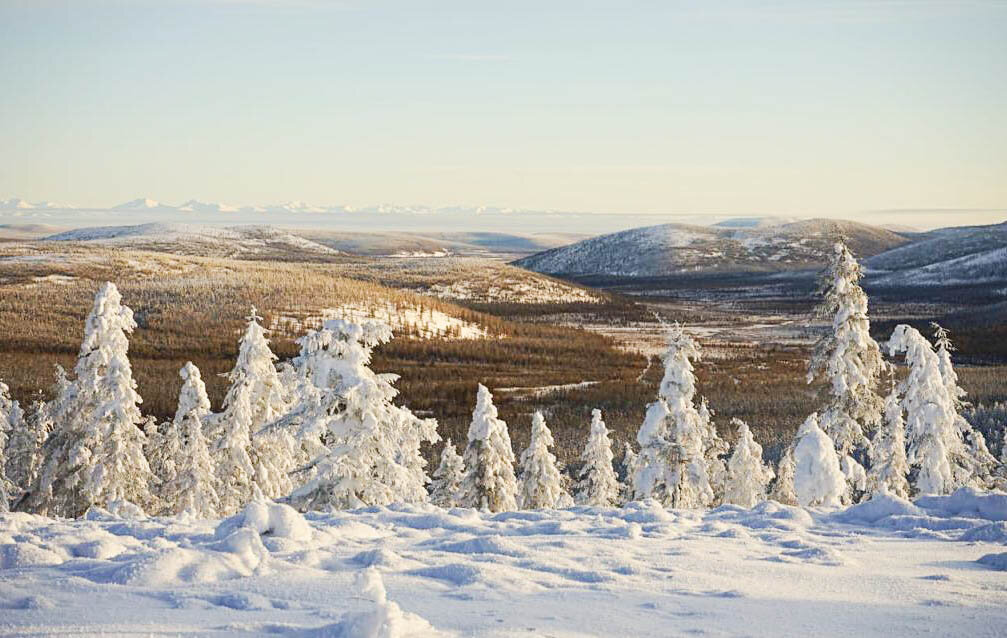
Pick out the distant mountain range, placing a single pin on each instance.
(261, 240)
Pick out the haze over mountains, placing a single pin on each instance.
(567, 244)
(385, 218)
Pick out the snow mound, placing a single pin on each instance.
(481, 545)
(267, 519)
(880, 507)
(21, 555)
(385, 620)
(967, 502)
(989, 533)
(995, 561)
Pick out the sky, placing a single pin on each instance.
(806, 108)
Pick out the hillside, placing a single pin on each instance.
(437, 244)
(207, 241)
(947, 256)
(669, 249)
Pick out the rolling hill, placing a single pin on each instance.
(670, 249)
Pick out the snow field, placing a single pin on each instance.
(884, 567)
(429, 323)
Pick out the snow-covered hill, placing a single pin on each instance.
(198, 240)
(669, 249)
(886, 567)
(968, 254)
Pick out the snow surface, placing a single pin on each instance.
(885, 567)
(427, 323)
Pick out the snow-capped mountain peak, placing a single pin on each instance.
(143, 203)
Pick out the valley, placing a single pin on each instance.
(564, 345)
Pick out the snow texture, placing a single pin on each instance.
(891, 567)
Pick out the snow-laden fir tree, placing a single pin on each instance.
(598, 484)
(850, 361)
(489, 482)
(889, 466)
(714, 449)
(190, 486)
(256, 397)
(95, 454)
(24, 448)
(747, 474)
(447, 478)
(541, 485)
(11, 425)
(979, 466)
(937, 449)
(672, 466)
(629, 465)
(783, 486)
(373, 457)
(818, 481)
(10, 418)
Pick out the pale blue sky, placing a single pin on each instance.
(799, 108)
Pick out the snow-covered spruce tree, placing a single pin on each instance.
(936, 447)
(630, 463)
(489, 482)
(889, 467)
(24, 448)
(714, 449)
(979, 466)
(783, 486)
(597, 485)
(95, 454)
(747, 475)
(672, 466)
(447, 478)
(373, 457)
(234, 475)
(255, 398)
(818, 481)
(850, 361)
(11, 425)
(540, 479)
(189, 488)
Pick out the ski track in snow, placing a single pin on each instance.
(886, 567)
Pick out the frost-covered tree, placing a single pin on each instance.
(447, 478)
(889, 466)
(978, 465)
(540, 479)
(598, 484)
(937, 449)
(850, 361)
(818, 480)
(714, 449)
(247, 457)
(95, 454)
(489, 482)
(12, 424)
(24, 448)
(190, 485)
(672, 465)
(630, 463)
(783, 486)
(747, 474)
(373, 457)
